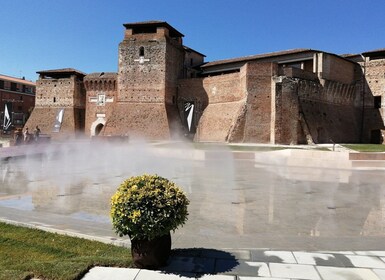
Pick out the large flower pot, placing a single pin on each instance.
(151, 254)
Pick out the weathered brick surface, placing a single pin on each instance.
(217, 120)
(101, 96)
(53, 94)
(139, 120)
(258, 108)
(337, 69)
(288, 98)
(149, 67)
(60, 93)
(44, 117)
(225, 100)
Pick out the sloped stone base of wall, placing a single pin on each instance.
(218, 120)
(139, 120)
(45, 118)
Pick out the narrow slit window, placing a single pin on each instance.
(141, 51)
(377, 102)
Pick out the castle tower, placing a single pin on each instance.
(101, 95)
(60, 103)
(150, 62)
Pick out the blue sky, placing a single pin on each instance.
(84, 34)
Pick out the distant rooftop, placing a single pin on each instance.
(60, 73)
(374, 53)
(144, 26)
(17, 80)
(259, 56)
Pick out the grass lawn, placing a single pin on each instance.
(366, 147)
(26, 253)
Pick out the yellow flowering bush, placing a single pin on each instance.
(148, 206)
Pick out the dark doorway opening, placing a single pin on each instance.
(98, 129)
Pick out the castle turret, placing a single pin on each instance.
(60, 103)
(151, 59)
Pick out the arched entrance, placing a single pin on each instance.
(98, 128)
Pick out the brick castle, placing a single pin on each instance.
(164, 90)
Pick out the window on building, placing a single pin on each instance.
(13, 86)
(54, 99)
(1, 84)
(141, 51)
(377, 102)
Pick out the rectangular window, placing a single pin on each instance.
(13, 86)
(1, 84)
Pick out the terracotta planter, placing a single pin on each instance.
(151, 254)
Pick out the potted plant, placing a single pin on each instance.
(147, 208)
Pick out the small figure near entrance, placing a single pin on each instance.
(27, 136)
(36, 133)
(18, 137)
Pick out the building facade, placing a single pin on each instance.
(164, 90)
(17, 100)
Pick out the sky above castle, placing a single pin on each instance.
(84, 34)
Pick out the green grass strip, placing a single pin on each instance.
(26, 253)
(379, 148)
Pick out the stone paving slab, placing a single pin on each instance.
(344, 273)
(208, 264)
(366, 261)
(318, 259)
(273, 256)
(296, 271)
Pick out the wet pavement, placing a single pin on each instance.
(286, 200)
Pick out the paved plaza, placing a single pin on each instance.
(284, 214)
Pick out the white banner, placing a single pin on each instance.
(58, 120)
(7, 118)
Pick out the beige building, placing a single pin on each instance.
(164, 90)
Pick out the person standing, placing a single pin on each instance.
(27, 136)
(36, 133)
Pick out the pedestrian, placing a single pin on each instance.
(27, 136)
(36, 133)
(18, 137)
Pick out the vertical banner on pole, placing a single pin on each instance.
(189, 113)
(7, 116)
(58, 120)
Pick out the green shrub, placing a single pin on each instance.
(148, 206)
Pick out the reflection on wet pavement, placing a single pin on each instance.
(234, 202)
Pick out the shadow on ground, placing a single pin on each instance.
(195, 262)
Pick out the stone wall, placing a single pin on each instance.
(53, 95)
(191, 91)
(330, 111)
(139, 120)
(142, 82)
(225, 101)
(375, 77)
(150, 65)
(258, 85)
(65, 92)
(287, 125)
(374, 104)
(238, 104)
(44, 117)
(334, 68)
